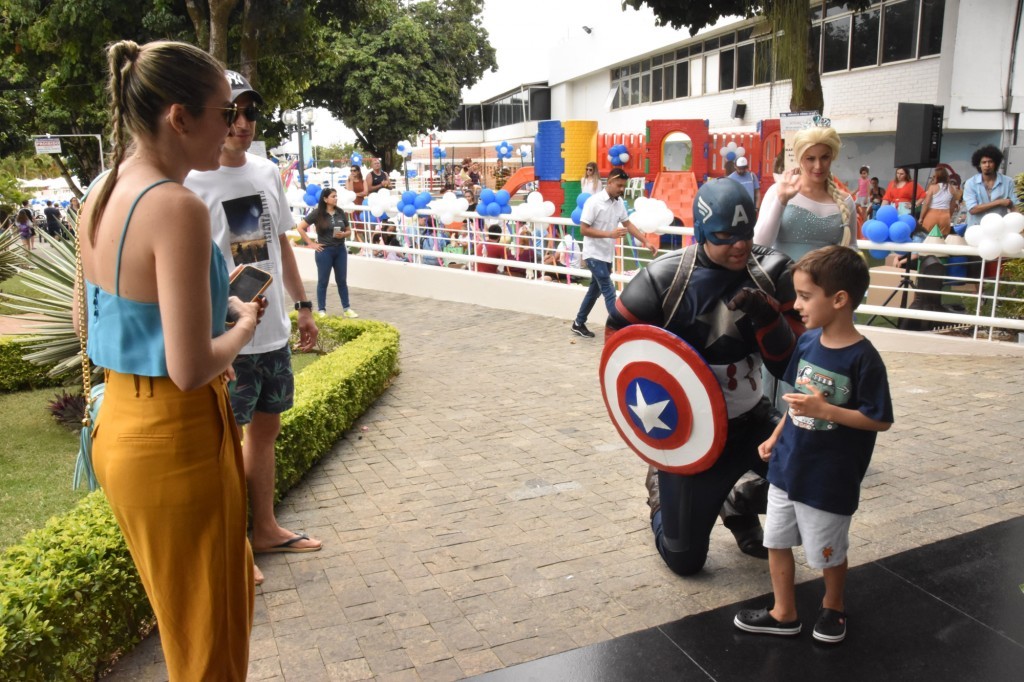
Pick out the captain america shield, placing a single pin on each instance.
(663, 399)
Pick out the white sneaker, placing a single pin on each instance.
(321, 313)
(350, 313)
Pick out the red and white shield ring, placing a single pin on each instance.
(663, 399)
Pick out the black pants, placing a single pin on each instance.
(690, 504)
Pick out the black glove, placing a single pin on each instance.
(761, 308)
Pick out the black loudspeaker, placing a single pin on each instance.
(918, 135)
(739, 109)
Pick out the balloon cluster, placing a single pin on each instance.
(448, 205)
(345, 196)
(997, 235)
(412, 202)
(650, 214)
(404, 148)
(732, 151)
(494, 203)
(524, 150)
(504, 150)
(888, 226)
(618, 154)
(578, 211)
(381, 203)
(312, 194)
(533, 208)
(356, 159)
(440, 153)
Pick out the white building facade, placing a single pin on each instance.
(964, 55)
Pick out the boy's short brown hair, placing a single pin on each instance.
(835, 269)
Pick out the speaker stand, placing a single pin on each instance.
(905, 286)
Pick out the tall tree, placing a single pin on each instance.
(403, 72)
(788, 20)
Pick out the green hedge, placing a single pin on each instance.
(18, 374)
(70, 598)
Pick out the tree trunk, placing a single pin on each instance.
(810, 97)
(200, 22)
(220, 12)
(250, 42)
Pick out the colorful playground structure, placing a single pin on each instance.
(674, 157)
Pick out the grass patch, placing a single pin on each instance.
(14, 285)
(37, 462)
(301, 361)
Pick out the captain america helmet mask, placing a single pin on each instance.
(723, 206)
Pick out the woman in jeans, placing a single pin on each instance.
(332, 229)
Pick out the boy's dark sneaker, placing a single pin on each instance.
(760, 621)
(831, 626)
(581, 330)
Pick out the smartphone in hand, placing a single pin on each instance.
(247, 283)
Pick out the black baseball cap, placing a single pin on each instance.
(240, 86)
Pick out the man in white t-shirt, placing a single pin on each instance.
(249, 217)
(600, 226)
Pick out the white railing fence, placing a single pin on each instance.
(544, 249)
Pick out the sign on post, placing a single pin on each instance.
(48, 145)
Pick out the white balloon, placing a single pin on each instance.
(384, 193)
(447, 218)
(376, 211)
(640, 202)
(1013, 222)
(462, 203)
(346, 196)
(535, 198)
(990, 249)
(732, 146)
(973, 235)
(740, 151)
(723, 151)
(448, 196)
(992, 225)
(1012, 243)
(549, 209)
(623, 157)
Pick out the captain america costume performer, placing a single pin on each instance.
(733, 302)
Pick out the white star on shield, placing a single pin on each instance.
(649, 415)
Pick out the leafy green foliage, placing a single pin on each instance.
(67, 409)
(403, 73)
(16, 373)
(70, 597)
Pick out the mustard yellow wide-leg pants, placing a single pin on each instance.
(170, 464)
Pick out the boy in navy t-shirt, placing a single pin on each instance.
(819, 452)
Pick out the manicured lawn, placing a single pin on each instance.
(301, 361)
(37, 461)
(14, 285)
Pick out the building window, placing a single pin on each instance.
(899, 35)
(683, 79)
(763, 62)
(932, 12)
(745, 65)
(726, 64)
(835, 47)
(864, 44)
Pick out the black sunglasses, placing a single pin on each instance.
(231, 113)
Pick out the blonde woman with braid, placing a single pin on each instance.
(805, 210)
(165, 447)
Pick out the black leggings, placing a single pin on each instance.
(690, 504)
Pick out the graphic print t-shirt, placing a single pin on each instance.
(248, 214)
(818, 462)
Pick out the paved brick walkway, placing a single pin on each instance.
(484, 512)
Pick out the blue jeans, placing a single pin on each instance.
(600, 284)
(327, 259)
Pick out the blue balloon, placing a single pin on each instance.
(422, 199)
(887, 214)
(409, 210)
(505, 209)
(730, 156)
(880, 255)
(309, 199)
(494, 209)
(960, 229)
(909, 220)
(316, 190)
(486, 196)
(899, 232)
(356, 159)
(576, 215)
(408, 197)
(876, 231)
(582, 199)
(502, 196)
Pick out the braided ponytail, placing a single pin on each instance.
(844, 210)
(121, 58)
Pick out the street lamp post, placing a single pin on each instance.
(300, 121)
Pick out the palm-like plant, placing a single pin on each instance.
(50, 274)
(10, 253)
